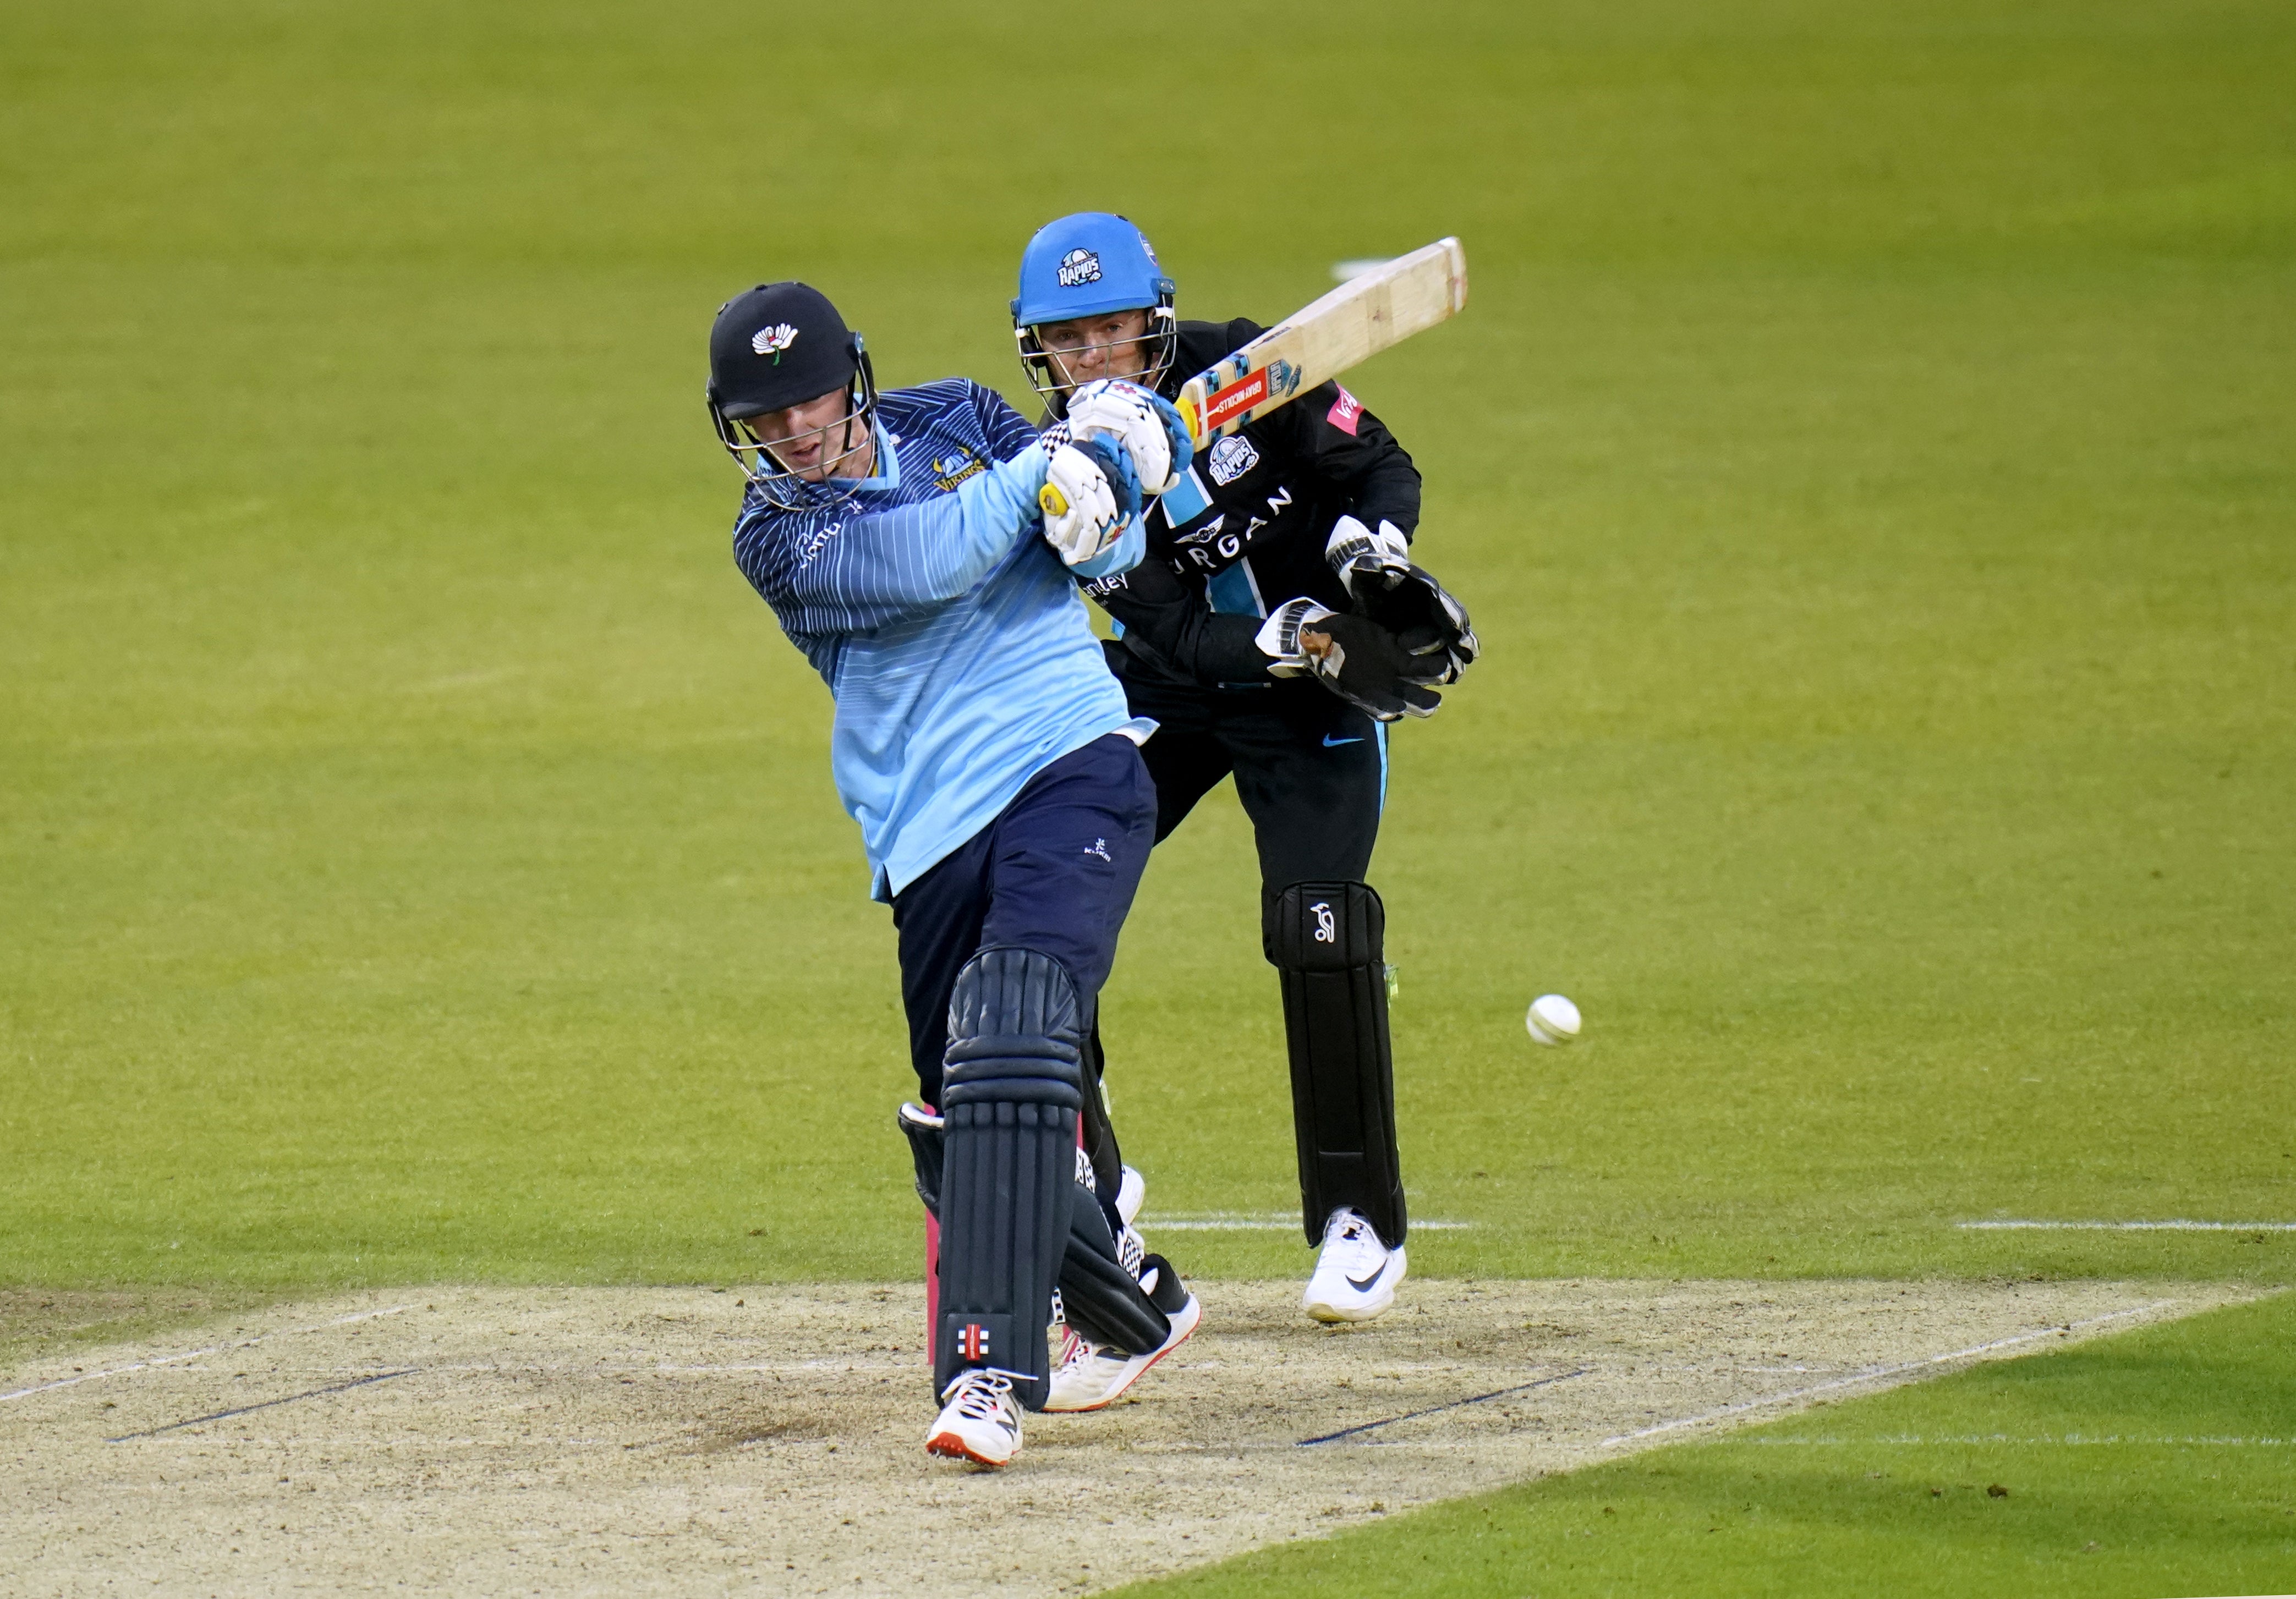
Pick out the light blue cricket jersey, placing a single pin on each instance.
(951, 636)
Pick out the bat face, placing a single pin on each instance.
(1242, 387)
(1275, 382)
(1354, 321)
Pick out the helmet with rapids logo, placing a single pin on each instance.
(1090, 264)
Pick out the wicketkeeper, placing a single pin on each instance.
(1274, 628)
(995, 771)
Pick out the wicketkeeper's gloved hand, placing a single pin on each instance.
(1406, 600)
(1361, 557)
(1143, 422)
(1090, 493)
(1353, 656)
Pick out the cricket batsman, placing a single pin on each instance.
(994, 770)
(1276, 626)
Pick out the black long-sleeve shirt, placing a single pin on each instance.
(1271, 492)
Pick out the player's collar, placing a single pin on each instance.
(888, 464)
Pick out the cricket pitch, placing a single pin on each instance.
(684, 1440)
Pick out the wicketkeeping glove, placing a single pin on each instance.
(1089, 494)
(1143, 422)
(1406, 600)
(1365, 558)
(1353, 656)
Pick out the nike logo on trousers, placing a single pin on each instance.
(1332, 743)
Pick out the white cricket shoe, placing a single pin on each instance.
(1131, 1192)
(1356, 1275)
(1092, 1375)
(981, 1421)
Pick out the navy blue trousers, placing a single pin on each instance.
(1056, 872)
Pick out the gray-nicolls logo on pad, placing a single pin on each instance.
(1326, 930)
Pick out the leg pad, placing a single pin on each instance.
(1326, 942)
(1010, 1092)
(1105, 1301)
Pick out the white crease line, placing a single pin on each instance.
(2129, 1226)
(1271, 1224)
(2071, 1441)
(832, 1364)
(141, 1365)
(1875, 1373)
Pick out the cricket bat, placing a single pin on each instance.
(1350, 324)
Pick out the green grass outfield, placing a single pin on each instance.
(1870, 454)
(2158, 1463)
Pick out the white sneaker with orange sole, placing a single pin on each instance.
(1093, 1375)
(979, 1420)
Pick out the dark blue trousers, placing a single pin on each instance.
(1054, 871)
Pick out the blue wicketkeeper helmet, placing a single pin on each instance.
(1089, 264)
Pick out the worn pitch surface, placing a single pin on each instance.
(619, 1440)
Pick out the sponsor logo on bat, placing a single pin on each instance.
(1283, 378)
(1234, 400)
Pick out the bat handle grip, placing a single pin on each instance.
(1191, 418)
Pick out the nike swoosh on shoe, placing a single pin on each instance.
(1363, 1284)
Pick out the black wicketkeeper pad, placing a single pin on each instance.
(1012, 1083)
(1326, 942)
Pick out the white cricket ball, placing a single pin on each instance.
(1553, 1020)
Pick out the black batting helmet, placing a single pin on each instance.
(775, 346)
(778, 344)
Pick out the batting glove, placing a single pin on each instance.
(1090, 493)
(1144, 423)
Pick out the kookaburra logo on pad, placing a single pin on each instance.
(773, 340)
(1327, 932)
(1079, 266)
